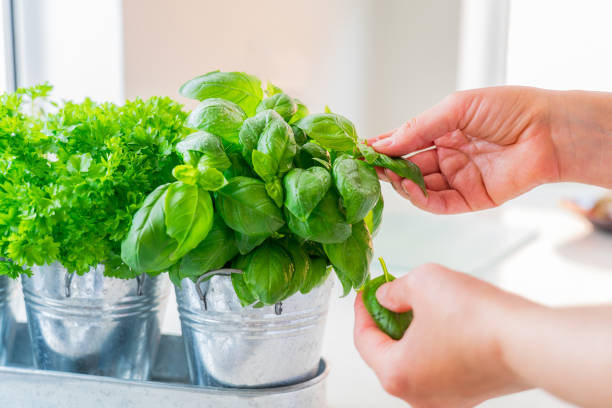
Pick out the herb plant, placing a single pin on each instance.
(266, 188)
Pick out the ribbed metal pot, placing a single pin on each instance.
(8, 327)
(229, 345)
(93, 324)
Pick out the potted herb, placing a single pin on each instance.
(268, 199)
(75, 183)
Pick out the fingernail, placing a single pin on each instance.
(381, 293)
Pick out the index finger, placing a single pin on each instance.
(371, 343)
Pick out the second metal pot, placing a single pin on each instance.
(7, 317)
(229, 345)
(94, 324)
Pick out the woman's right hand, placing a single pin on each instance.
(494, 144)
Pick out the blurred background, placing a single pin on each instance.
(378, 62)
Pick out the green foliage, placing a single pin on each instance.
(219, 117)
(358, 185)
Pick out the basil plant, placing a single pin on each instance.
(267, 188)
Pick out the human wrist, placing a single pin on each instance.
(581, 132)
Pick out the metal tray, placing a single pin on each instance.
(23, 386)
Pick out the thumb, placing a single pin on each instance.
(395, 295)
(421, 131)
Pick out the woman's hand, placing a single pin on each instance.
(494, 144)
(450, 355)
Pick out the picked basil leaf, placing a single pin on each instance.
(268, 272)
(147, 247)
(311, 154)
(212, 253)
(351, 258)
(188, 216)
(246, 207)
(305, 189)
(282, 103)
(368, 153)
(402, 168)
(317, 274)
(326, 224)
(358, 185)
(219, 117)
(238, 87)
(330, 130)
(203, 149)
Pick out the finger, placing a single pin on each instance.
(396, 183)
(436, 182)
(395, 295)
(371, 343)
(437, 202)
(381, 174)
(427, 162)
(380, 137)
(421, 131)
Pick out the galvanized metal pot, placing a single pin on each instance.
(94, 324)
(229, 345)
(8, 328)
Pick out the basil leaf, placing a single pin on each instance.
(351, 258)
(243, 292)
(298, 135)
(368, 153)
(263, 165)
(188, 216)
(302, 112)
(305, 190)
(239, 167)
(402, 168)
(330, 130)
(268, 123)
(276, 140)
(301, 264)
(203, 149)
(238, 87)
(358, 185)
(219, 117)
(374, 217)
(282, 103)
(274, 189)
(210, 179)
(246, 243)
(186, 173)
(311, 154)
(326, 224)
(147, 247)
(317, 274)
(268, 272)
(212, 253)
(272, 89)
(245, 207)
(392, 323)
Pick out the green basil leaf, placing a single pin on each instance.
(246, 243)
(210, 179)
(218, 248)
(263, 165)
(358, 185)
(188, 216)
(243, 292)
(298, 135)
(351, 258)
(246, 207)
(252, 129)
(301, 263)
(186, 173)
(276, 140)
(311, 154)
(203, 149)
(219, 117)
(392, 323)
(147, 247)
(368, 153)
(274, 189)
(326, 223)
(302, 112)
(239, 167)
(402, 168)
(238, 87)
(268, 273)
(272, 89)
(282, 103)
(317, 274)
(305, 190)
(330, 130)
(377, 214)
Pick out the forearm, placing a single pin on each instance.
(581, 128)
(566, 351)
